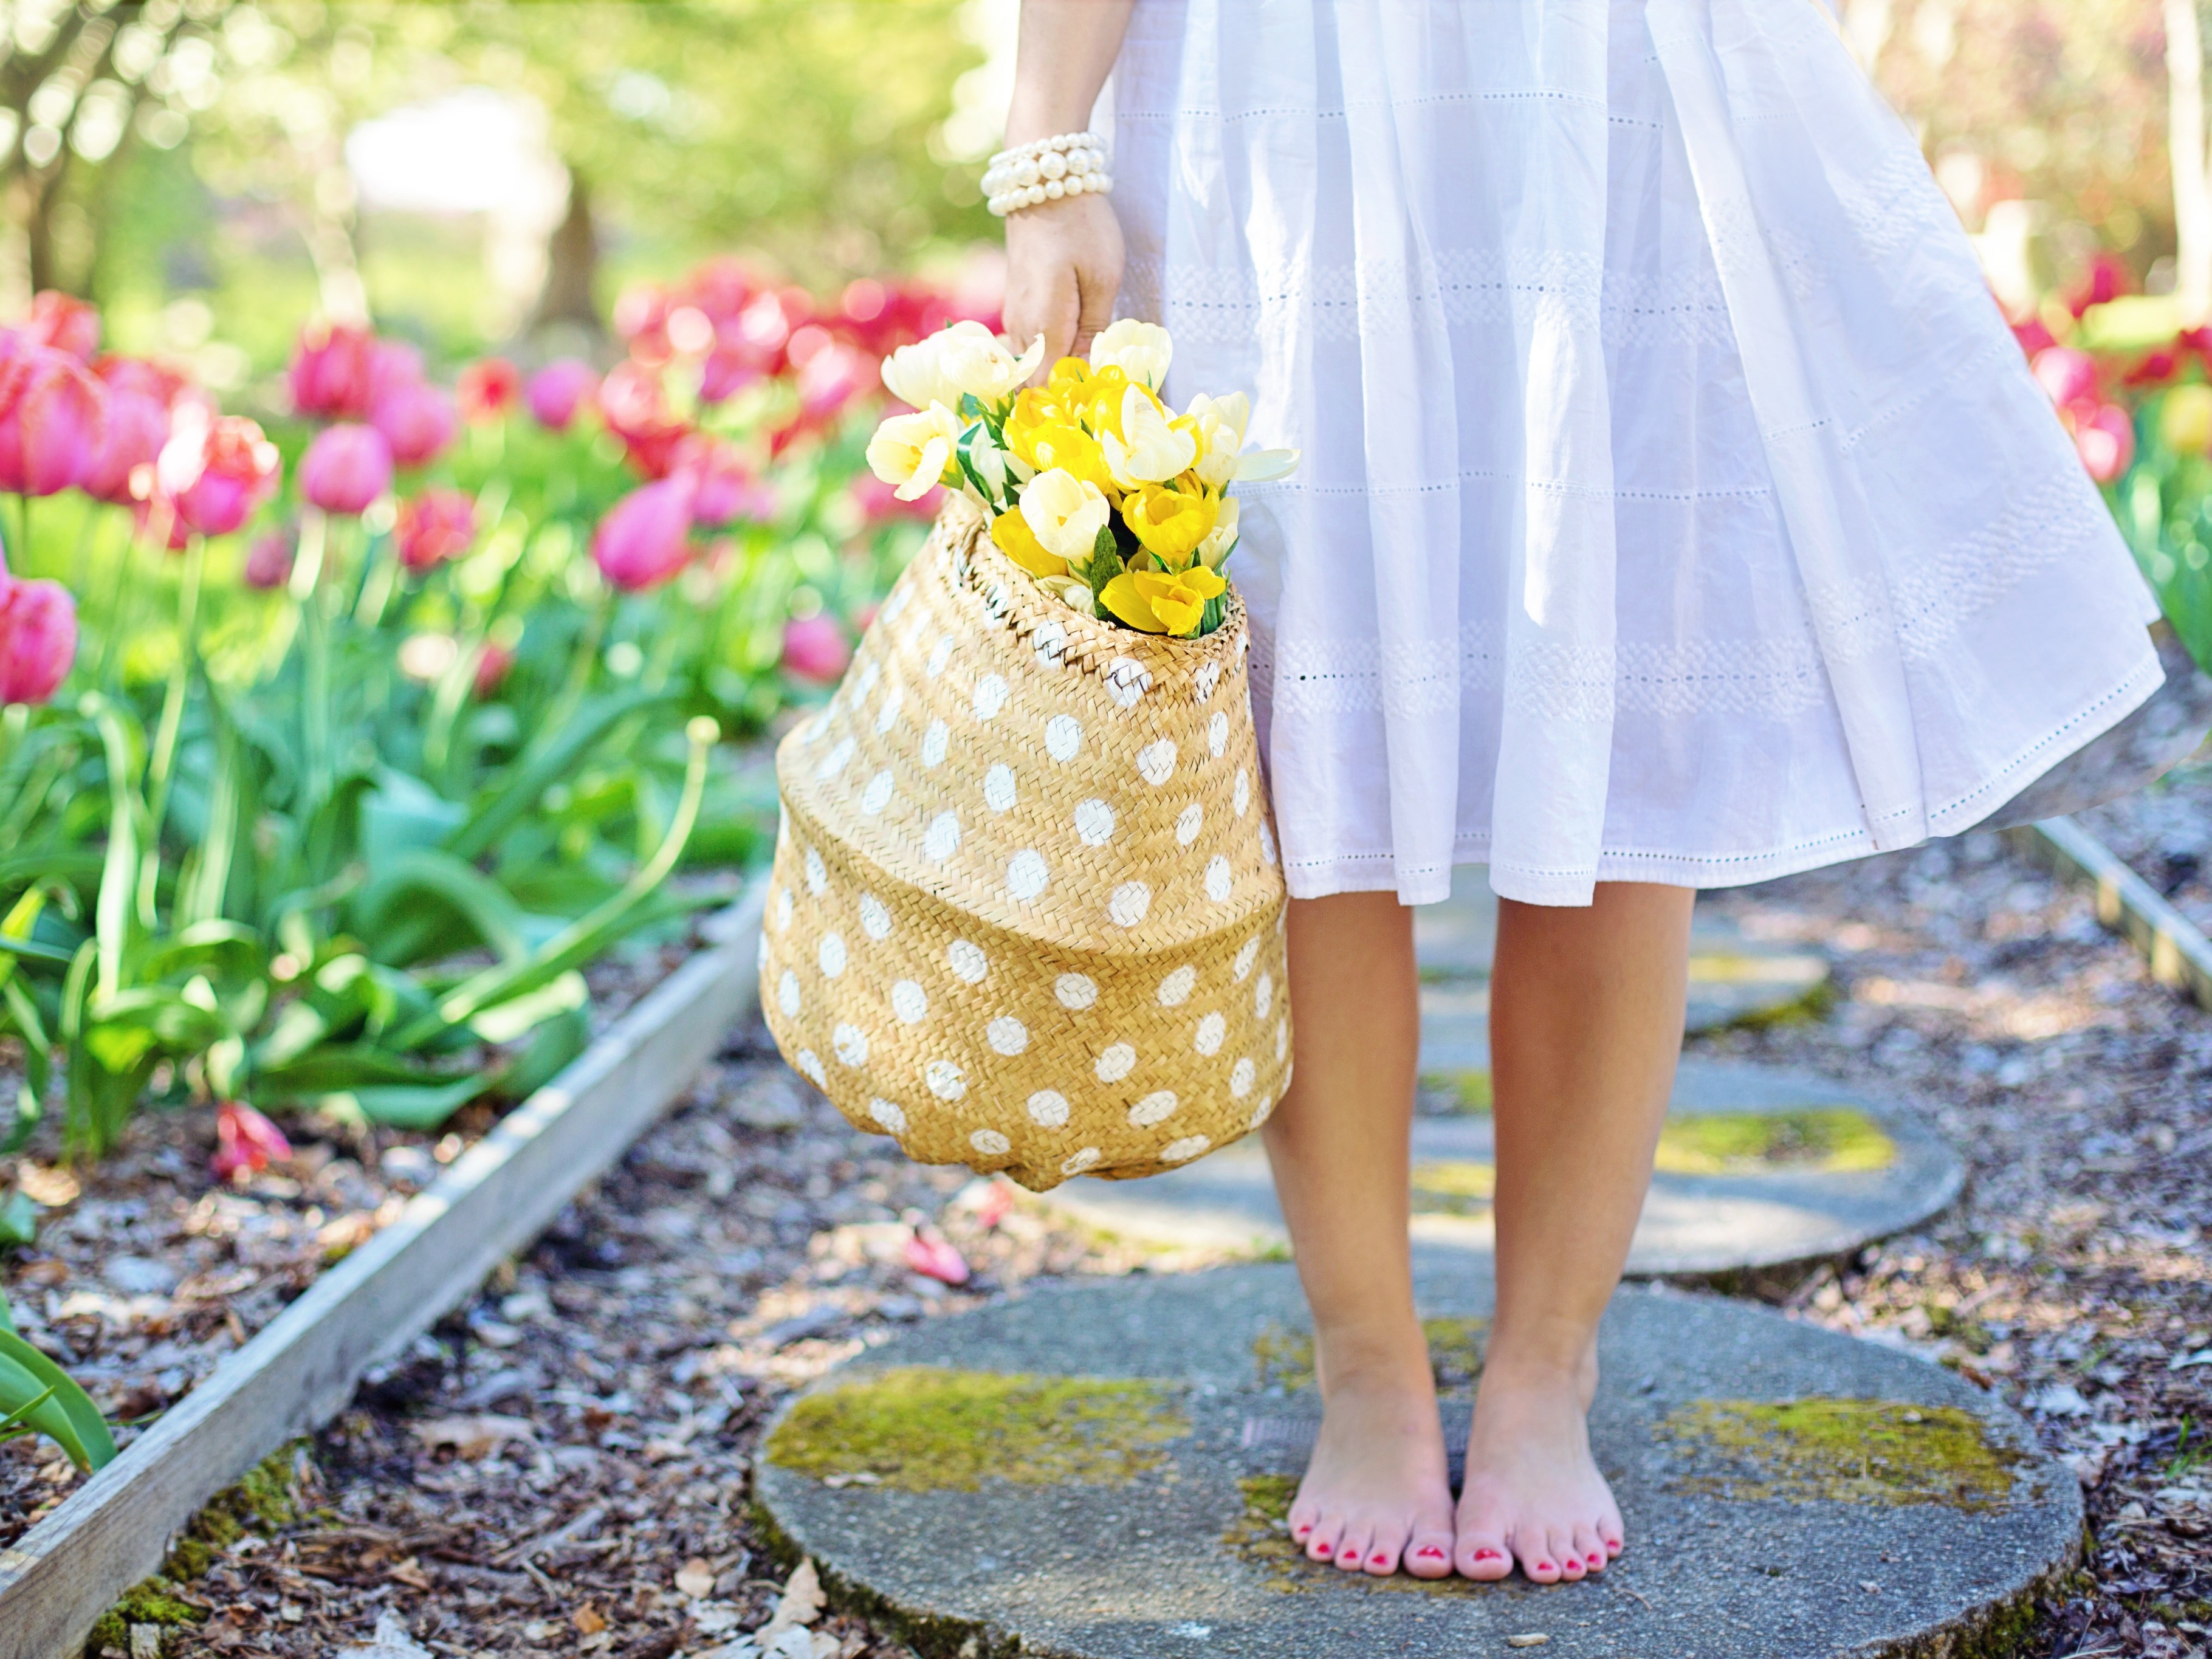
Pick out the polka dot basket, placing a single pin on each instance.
(1026, 913)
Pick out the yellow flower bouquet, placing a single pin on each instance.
(1113, 502)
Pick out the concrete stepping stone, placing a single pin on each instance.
(1100, 1471)
(1758, 1168)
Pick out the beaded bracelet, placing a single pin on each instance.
(1030, 175)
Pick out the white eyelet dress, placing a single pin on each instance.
(1676, 505)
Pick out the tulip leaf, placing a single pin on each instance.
(540, 769)
(19, 1219)
(37, 1392)
(1104, 563)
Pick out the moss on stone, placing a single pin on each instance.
(1880, 1452)
(920, 1428)
(152, 1601)
(1260, 1535)
(1826, 1139)
(1453, 1186)
(1468, 1089)
(1285, 1357)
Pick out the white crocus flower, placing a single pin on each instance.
(1140, 351)
(915, 453)
(1065, 513)
(989, 462)
(1223, 536)
(1071, 591)
(966, 357)
(1155, 451)
(1223, 459)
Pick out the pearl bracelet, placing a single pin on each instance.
(1066, 164)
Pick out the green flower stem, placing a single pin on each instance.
(306, 591)
(173, 701)
(582, 663)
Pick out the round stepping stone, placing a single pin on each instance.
(1757, 1168)
(1101, 1471)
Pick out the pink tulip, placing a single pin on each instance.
(634, 405)
(417, 419)
(163, 386)
(2106, 441)
(644, 540)
(65, 323)
(53, 422)
(246, 1142)
(815, 649)
(879, 503)
(138, 427)
(38, 639)
(487, 388)
(214, 472)
(492, 668)
(726, 489)
(2067, 375)
(347, 467)
(434, 527)
(556, 390)
(831, 378)
(269, 561)
(934, 1257)
(330, 371)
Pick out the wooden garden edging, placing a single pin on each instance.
(300, 1371)
(2179, 954)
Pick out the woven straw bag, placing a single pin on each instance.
(1026, 913)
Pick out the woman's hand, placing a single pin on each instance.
(1063, 270)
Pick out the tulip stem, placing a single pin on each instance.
(22, 529)
(315, 658)
(164, 758)
(580, 664)
(113, 630)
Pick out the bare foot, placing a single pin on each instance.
(1375, 1496)
(1534, 1493)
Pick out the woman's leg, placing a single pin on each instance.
(1585, 1027)
(1375, 1492)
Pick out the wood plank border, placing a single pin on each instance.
(300, 1369)
(2179, 954)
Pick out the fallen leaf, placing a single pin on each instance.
(410, 1572)
(936, 1258)
(801, 1603)
(588, 1620)
(695, 1579)
(1534, 1638)
(472, 1438)
(853, 1477)
(390, 1641)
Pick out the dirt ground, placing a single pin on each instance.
(563, 1468)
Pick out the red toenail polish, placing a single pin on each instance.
(1545, 1566)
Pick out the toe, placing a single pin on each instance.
(1353, 1544)
(1428, 1553)
(1386, 1548)
(1588, 1549)
(1537, 1559)
(1321, 1541)
(1303, 1517)
(1572, 1569)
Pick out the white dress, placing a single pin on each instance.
(1676, 505)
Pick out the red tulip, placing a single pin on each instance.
(2107, 281)
(487, 388)
(434, 526)
(2070, 376)
(347, 467)
(2155, 369)
(492, 668)
(815, 649)
(2106, 441)
(555, 390)
(417, 420)
(65, 323)
(38, 639)
(53, 422)
(215, 471)
(635, 407)
(138, 427)
(330, 371)
(935, 1257)
(269, 561)
(246, 1142)
(644, 540)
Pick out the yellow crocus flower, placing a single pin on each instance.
(1169, 523)
(1068, 372)
(1019, 541)
(1070, 449)
(1034, 410)
(1157, 603)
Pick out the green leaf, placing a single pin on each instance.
(398, 914)
(554, 1044)
(1105, 561)
(66, 1415)
(540, 769)
(19, 1219)
(419, 1108)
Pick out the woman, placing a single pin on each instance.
(1676, 511)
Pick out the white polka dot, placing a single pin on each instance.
(888, 716)
(875, 920)
(897, 604)
(1188, 823)
(817, 879)
(1129, 903)
(942, 839)
(1007, 1034)
(990, 1142)
(877, 795)
(1063, 737)
(1152, 1108)
(1263, 996)
(910, 1002)
(888, 1113)
(760, 957)
(1267, 844)
(1240, 1078)
(1051, 644)
(834, 763)
(832, 954)
(865, 681)
(999, 788)
(1179, 1152)
(990, 697)
(1203, 681)
(967, 960)
(810, 1064)
(933, 742)
(850, 1044)
(813, 731)
(939, 654)
(1075, 991)
(1176, 988)
(1094, 822)
(1282, 1038)
(1116, 1063)
(783, 909)
(1240, 796)
(1048, 1108)
(786, 994)
(1210, 1031)
(1217, 734)
(1155, 762)
(945, 1079)
(1261, 1112)
(1126, 680)
(1245, 958)
(1026, 874)
(1077, 1163)
(1217, 879)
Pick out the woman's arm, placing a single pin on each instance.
(1064, 258)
